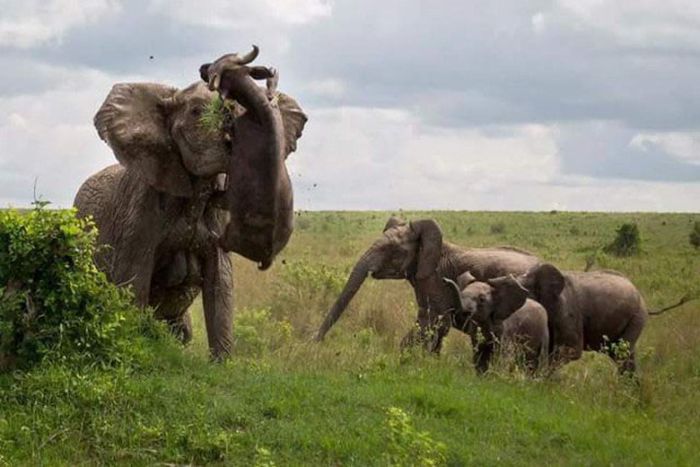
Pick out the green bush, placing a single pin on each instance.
(304, 277)
(53, 300)
(498, 228)
(627, 241)
(408, 446)
(256, 331)
(695, 235)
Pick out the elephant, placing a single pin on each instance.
(498, 312)
(415, 251)
(595, 310)
(183, 195)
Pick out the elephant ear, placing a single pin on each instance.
(133, 122)
(393, 221)
(465, 279)
(293, 120)
(549, 282)
(429, 236)
(508, 295)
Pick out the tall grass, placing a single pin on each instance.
(354, 399)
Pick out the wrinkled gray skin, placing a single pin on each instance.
(171, 209)
(588, 311)
(498, 313)
(416, 252)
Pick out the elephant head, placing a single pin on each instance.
(154, 131)
(488, 303)
(544, 283)
(405, 251)
(259, 197)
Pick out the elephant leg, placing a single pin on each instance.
(171, 305)
(628, 366)
(417, 334)
(623, 353)
(482, 356)
(439, 328)
(429, 331)
(217, 295)
(564, 354)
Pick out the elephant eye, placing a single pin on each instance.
(196, 111)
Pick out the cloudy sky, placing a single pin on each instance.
(507, 105)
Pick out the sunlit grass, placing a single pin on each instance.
(286, 399)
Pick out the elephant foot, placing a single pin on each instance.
(182, 328)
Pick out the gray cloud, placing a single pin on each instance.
(448, 96)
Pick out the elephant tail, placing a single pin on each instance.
(686, 298)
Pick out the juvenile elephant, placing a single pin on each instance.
(183, 195)
(416, 252)
(598, 310)
(497, 313)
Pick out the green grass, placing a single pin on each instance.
(285, 400)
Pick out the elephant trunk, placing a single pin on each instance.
(259, 195)
(359, 273)
(456, 293)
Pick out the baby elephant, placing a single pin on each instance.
(599, 310)
(500, 309)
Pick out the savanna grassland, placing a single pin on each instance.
(354, 399)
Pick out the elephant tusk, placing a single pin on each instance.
(221, 182)
(214, 82)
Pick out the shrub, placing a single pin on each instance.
(313, 280)
(498, 228)
(627, 241)
(695, 235)
(256, 331)
(54, 301)
(408, 446)
(302, 223)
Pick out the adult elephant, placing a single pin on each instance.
(415, 251)
(185, 194)
(597, 310)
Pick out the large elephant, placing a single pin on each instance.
(415, 251)
(497, 313)
(597, 310)
(184, 194)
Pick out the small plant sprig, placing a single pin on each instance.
(214, 115)
(408, 446)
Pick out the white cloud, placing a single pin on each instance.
(684, 146)
(639, 23)
(329, 88)
(50, 137)
(538, 22)
(244, 13)
(367, 158)
(28, 23)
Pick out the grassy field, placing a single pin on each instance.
(354, 400)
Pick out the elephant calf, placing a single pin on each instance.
(500, 310)
(598, 310)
